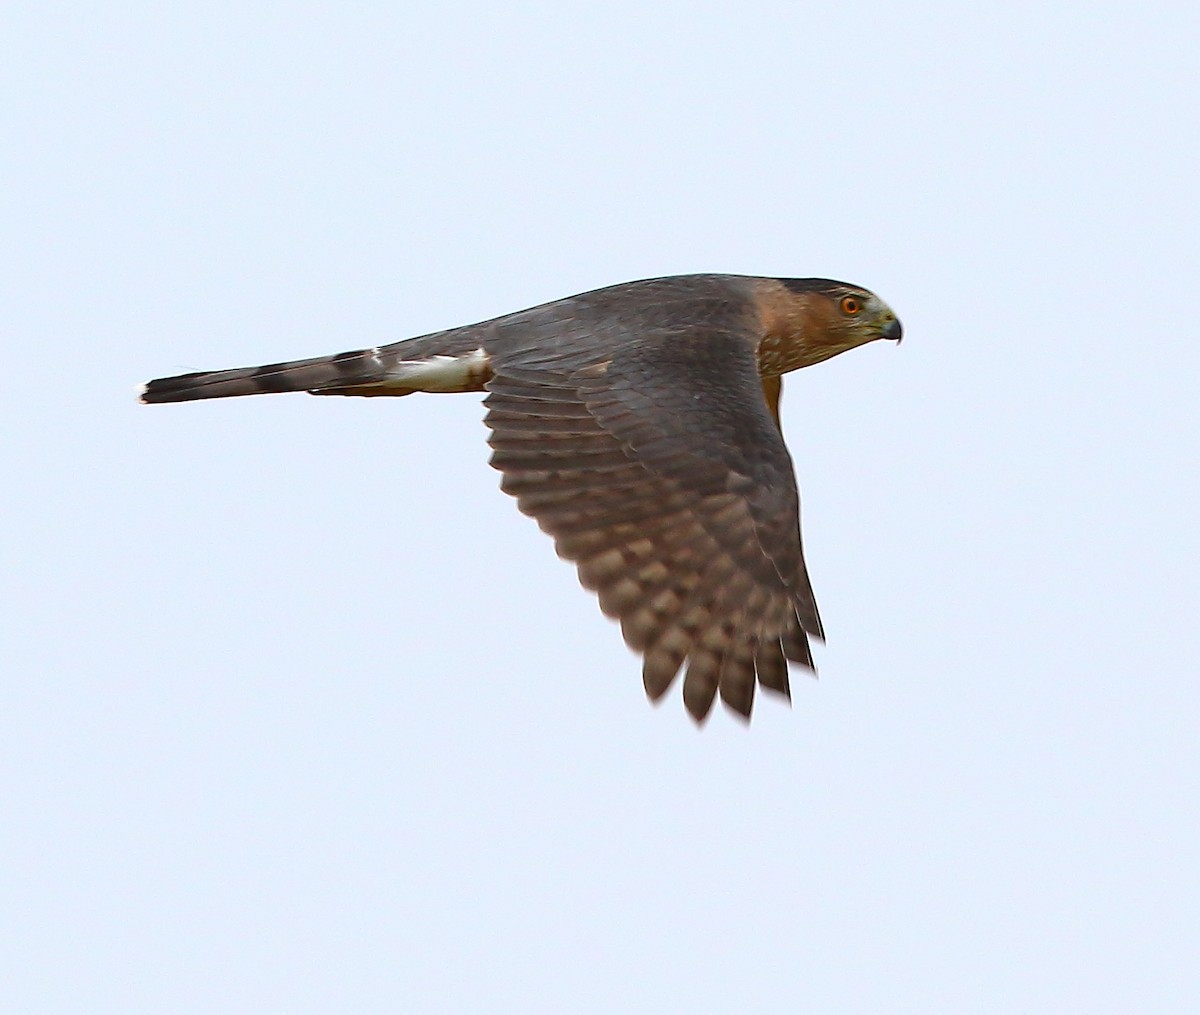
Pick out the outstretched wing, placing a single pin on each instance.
(654, 461)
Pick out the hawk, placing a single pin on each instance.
(639, 425)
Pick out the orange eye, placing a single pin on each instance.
(850, 305)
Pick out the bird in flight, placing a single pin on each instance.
(639, 425)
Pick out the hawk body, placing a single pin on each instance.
(639, 426)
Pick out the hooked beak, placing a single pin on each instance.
(892, 331)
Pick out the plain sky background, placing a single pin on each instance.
(298, 713)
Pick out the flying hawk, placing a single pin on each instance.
(639, 425)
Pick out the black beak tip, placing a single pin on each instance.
(892, 330)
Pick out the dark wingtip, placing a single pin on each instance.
(736, 712)
(784, 694)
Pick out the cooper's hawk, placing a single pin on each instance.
(639, 425)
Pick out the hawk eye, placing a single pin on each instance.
(850, 305)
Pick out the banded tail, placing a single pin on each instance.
(441, 362)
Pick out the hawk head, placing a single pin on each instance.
(829, 317)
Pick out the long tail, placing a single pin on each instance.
(448, 361)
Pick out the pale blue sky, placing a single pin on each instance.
(299, 713)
